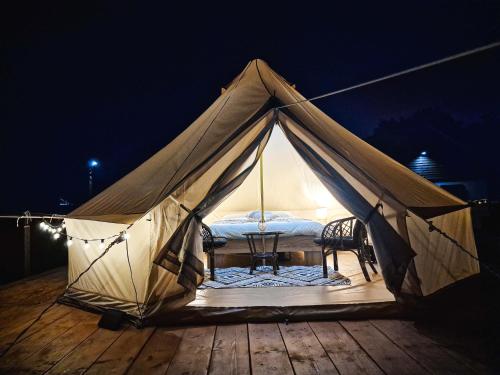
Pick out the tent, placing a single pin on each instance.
(161, 203)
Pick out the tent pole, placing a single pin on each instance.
(261, 164)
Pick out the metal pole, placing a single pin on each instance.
(27, 248)
(261, 163)
(262, 218)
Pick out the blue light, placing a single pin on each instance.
(423, 153)
(93, 163)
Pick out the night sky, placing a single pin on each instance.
(117, 82)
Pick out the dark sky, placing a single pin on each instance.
(82, 79)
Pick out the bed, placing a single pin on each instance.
(298, 234)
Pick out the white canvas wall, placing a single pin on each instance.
(289, 185)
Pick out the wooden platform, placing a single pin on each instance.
(67, 340)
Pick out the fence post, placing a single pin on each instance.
(27, 249)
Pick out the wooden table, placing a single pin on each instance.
(263, 255)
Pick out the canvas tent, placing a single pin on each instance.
(212, 158)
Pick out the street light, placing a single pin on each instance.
(92, 163)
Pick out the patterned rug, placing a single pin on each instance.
(238, 277)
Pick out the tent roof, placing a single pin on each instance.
(251, 95)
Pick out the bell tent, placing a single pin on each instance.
(149, 222)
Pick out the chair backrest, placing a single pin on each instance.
(346, 228)
(359, 233)
(208, 238)
(338, 229)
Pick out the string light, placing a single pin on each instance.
(58, 231)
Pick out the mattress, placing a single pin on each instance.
(233, 227)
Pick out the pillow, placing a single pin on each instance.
(268, 215)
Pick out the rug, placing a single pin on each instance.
(239, 277)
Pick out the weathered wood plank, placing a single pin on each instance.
(384, 352)
(45, 334)
(157, 354)
(33, 291)
(193, 354)
(52, 353)
(8, 334)
(267, 350)
(420, 348)
(345, 353)
(305, 351)
(120, 355)
(85, 354)
(475, 366)
(230, 351)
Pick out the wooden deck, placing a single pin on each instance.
(67, 340)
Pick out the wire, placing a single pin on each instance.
(403, 72)
(487, 267)
(18, 337)
(133, 284)
(82, 239)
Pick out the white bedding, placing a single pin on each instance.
(232, 227)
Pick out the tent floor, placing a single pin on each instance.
(361, 299)
(68, 341)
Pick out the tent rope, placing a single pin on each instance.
(487, 267)
(139, 309)
(398, 74)
(25, 330)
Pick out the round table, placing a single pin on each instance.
(263, 255)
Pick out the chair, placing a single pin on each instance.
(210, 243)
(347, 234)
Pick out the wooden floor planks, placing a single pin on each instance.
(156, 356)
(118, 357)
(267, 350)
(67, 341)
(193, 354)
(230, 351)
(343, 350)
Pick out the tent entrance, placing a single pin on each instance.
(296, 199)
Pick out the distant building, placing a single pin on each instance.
(457, 181)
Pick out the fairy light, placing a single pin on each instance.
(58, 231)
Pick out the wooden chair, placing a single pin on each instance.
(347, 234)
(210, 243)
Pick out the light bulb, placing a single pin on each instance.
(56, 236)
(86, 244)
(101, 245)
(42, 225)
(59, 230)
(69, 242)
(63, 225)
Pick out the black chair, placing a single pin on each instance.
(347, 234)
(210, 243)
